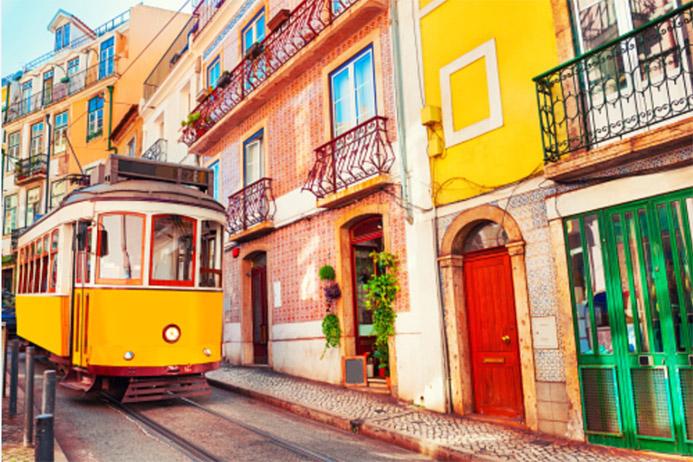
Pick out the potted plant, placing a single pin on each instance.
(190, 120)
(254, 50)
(224, 79)
(382, 354)
(330, 323)
(65, 79)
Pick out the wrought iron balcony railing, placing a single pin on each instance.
(65, 87)
(302, 26)
(14, 237)
(204, 12)
(360, 153)
(157, 151)
(252, 205)
(640, 79)
(30, 168)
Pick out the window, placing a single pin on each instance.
(36, 146)
(352, 89)
(173, 250)
(215, 185)
(122, 249)
(252, 159)
(106, 58)
(26, 97)
(58, 191)
(83, 263)
(13, 140)
(213, 73)
(43, 280)
(131, 147)
(48, 87)
(53, 279)
(210, 261)
(33, 206)
(62, 37)
(254, 32)
(73, 66)
(10, 217)
(60, 132)
(95, 118)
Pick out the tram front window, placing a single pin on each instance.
(173, 250)
(120, 247)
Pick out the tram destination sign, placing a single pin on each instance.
(121, 168)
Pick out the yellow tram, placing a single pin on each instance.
(122, 282)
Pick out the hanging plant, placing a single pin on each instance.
(327, 273)
(331, 331)
(381, 291)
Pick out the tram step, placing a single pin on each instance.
(160, 388)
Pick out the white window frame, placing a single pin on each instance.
(348, 68)
(253, 26)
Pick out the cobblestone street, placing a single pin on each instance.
(397, 421)
(13, 449)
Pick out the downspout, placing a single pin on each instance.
(47, 195)
(399, 107)
(111, 148)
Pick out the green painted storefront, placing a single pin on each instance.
(630, 269)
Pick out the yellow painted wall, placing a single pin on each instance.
(525, 46)
(44, 321)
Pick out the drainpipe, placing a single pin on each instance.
(399, 103)
(47, 195)
(111, 148)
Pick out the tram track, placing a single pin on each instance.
(198, 453)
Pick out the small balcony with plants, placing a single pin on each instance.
(352, 164)
(295, 41)
(250, 211)
(602, 106)
(30, 169)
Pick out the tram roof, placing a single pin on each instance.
(144, 190)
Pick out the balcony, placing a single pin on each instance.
(352, 165)
(250, 211)
(321, 23)
(619, 91)
(14, 238)
(66, 87)
(30, 169)
(157, 151)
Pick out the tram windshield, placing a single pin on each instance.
(173, 250)
(120, 246)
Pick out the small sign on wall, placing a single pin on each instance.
(544, 332)
(277, 293)
(354, 371)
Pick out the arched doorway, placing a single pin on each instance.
(259, 306)
(482, 254)
(365, 236)
(492, 327)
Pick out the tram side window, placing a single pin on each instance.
(43, 285)
(53, 280)
(83, 260)
(210, 261)
(120, 246)
(173, 250)
(38, 250)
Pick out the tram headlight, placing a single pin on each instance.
(128, 355)
(207, 351)
(171, 333)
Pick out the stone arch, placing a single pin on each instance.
(452, 275)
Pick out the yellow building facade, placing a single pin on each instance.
(478, 59)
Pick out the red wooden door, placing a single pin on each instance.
(258, 276)
(493, 341)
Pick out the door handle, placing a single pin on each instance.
(506, 339)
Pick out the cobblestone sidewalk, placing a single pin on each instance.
(13, 449)
(412, 426)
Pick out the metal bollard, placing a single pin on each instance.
(14, 376)
(48, 398)
(29, 397)
(43, 452)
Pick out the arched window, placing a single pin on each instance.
(485, 235)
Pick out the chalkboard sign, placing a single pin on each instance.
(354, 371)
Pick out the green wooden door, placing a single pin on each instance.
(633, 308)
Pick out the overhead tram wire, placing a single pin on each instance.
(173, 16)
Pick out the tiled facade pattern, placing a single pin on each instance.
(296, 252)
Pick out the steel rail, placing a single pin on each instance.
(296, 449)
(183, 445)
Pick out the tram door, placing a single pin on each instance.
(80, 305)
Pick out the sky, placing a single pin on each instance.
(24, 24)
